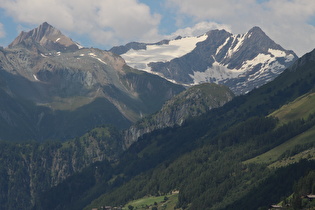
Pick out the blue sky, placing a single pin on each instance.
(107, 23)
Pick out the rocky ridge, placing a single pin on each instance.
(241, 61)
(193, 102)
(73, 89)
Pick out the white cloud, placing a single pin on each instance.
(109, 22)
(285, 21)
(199, 29)
(105, 21)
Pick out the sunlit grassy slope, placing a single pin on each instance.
(300, 108)
(274, 154)
(148, 202)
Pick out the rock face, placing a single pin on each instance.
(47, 37)
(69, 89)
(190, 103)
(29, 169)
(242, 62)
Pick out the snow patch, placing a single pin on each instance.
(161, 53)
(238, 39)
(100, 60)
(260, 58)
(216, 74)
(220, 47)
(35, 77)
(280, 53)
(277, 53)
(289, 58)
(95, 56)
(219, 72)
(79, 46)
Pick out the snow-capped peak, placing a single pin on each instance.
(48, 37)
(176, 48)
(241, 61)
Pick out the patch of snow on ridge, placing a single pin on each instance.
(280, 53)
(289, 58)
(220, 47)
(161, 53)
(277, 53)
(219, 72)
(259, 59)
(216, 74)
(79, 46)
(100, 60)
(93, 55)
(236, 44)
(35, 77)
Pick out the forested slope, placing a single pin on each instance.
(203, 158)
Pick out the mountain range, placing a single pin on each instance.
(61, 90)
(260, 143)
(172, 140)
(242, 62)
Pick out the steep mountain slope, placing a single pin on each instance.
(242, 62)
(201, 176)
(74, 89)
(48, 37)
(46, 165)
(193, 102)
(27, 169)
(203, 158)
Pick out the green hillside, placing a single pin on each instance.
(204, 158)
(207, 166)
(300, 108)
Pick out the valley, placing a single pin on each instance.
(216, 121)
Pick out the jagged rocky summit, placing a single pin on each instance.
(48, 37)
(242, 61)
(58, 90)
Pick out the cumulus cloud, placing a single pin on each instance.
(199, 29)
(107, 22)
(285, 21)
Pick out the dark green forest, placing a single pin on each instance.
(204, 158)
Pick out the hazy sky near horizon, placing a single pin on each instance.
(107, 23)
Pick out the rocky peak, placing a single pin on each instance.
(240, 61)
(192, 102)
(45, 36)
